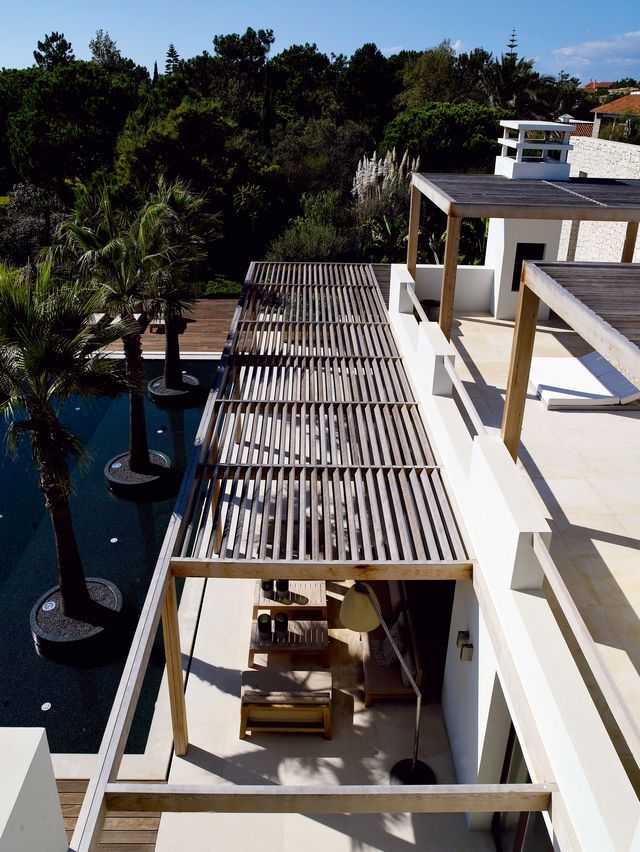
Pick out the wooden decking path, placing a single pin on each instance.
(382, 274)
(123, 832)
(206, 331)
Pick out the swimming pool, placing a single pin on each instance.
(118, 540)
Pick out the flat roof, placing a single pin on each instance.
(475, 196)
(601, 301)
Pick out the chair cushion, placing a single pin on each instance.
(286, 687)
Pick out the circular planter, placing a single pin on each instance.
(59, 637)
(158, 483)
(189, 394)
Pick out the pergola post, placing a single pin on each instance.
(171, 634)
(521, 352)
(414, 227)
(449, 271)
(629, 242)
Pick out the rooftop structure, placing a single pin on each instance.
(627, 105)
(539, 149)
(617, 117)
(503, 200)
(595, 86)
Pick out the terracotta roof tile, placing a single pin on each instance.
(630, 103)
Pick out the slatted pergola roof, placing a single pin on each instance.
(603, 199)
(601, 301)
(496, 196)
(319, 453)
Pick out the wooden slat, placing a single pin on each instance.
(496, 196)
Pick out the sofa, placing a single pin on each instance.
(383, 676)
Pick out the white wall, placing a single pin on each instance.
(516, 637)
(502, 240)
(474, 286)
(30, 814)
(599, 241)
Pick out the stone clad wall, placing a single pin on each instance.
(599, 241)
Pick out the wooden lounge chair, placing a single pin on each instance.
(286, 701)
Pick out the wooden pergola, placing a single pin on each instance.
(495, 196)
(601, 301)
(311, 462)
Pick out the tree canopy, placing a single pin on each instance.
(254, 128)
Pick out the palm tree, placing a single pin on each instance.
(120, 254)
(49, 351)
(513, 84)
(183, 226)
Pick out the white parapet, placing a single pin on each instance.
(522, 668)
(30, 814)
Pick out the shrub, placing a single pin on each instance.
(220, 287)
(447, 137)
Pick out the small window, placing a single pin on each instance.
(525, 251)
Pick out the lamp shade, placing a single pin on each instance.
(356, 612)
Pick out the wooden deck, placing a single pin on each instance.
(206, 331)
(123, 832)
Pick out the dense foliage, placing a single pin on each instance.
(271, 141)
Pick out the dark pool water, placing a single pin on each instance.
(81, 698)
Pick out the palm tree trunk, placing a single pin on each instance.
(138, 446)
(172, 367)
(73, 586)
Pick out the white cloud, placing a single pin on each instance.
(602, 57)
(457, 45)
(389, 51)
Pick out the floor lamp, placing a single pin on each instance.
(360, 612)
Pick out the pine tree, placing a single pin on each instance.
(173, 57)
(104, 49)
(53, 51)
(512, 44)
(155, 73)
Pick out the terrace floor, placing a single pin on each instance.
(206, 330)
(365, 744)
(584, 468)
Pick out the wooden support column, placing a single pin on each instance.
(171, 633)
(414, 228)
(448, 291)
(629, 242)
(521, 352)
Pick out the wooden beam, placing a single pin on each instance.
(614, 346)
(173, 656)
(329, 799)
(448, 291)
(414, 230)
(256, 569)
(629, 242)
(521, 352)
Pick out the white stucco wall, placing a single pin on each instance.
(599, 158)
(502, 241)
(30, 814)
(474, 286)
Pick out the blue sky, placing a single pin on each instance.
(577, 35)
